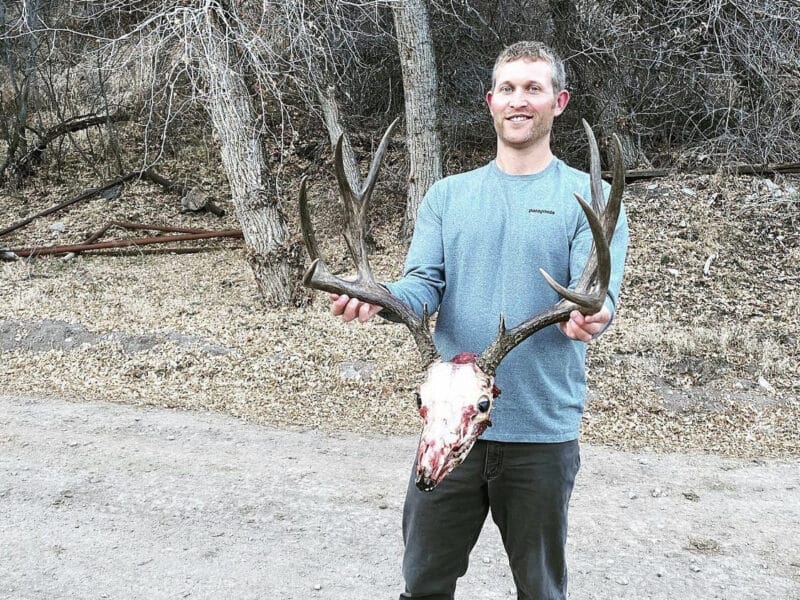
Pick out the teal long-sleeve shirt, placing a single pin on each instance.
(478, 243)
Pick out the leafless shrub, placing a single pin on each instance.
(707, 80)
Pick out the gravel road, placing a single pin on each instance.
(102, 500)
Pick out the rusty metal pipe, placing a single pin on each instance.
(185, 237)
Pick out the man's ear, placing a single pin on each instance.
(489, 100)
(562, 99)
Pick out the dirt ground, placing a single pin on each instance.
(102, 500)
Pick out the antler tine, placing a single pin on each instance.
(607, 210)
(611, 213)
(596, 184)
(355, 217)
(590, 292)
(365, 288)
(356, 202)
(377, 160)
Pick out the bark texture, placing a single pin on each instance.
(420, 87)
(263, 226)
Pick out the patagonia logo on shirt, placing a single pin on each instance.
(541, 211)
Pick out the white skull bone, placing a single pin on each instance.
(455, 402)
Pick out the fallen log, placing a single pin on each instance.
(23, 165)
(191, 199)
(84, 247)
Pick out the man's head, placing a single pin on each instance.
(527, 94)
(532, 52)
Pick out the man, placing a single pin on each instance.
(478, 241)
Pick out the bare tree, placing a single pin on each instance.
(19, 45)
(234, 119)
(225, 56)
(704, 79)
(420, 87)
(597, 77)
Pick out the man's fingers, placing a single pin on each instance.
(598, 317)
(602, 316)
(352, 308)
(339, 304)
(577, 317)
(576, 332)
(364, 312)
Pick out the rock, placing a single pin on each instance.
(763, 383)
(358, 370)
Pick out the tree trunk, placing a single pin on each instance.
(270, 253)
(420, 88)
(19, 64)
(333, 123)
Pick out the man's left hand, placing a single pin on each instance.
(585, 327)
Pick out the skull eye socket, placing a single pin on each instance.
(484, 404)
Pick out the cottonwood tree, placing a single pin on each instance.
(225, 56)
(421, 90)
(333, 62)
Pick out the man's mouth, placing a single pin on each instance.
(518, 118)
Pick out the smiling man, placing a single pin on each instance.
(524, 99)
(479, 239)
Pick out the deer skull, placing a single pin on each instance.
(454, 401)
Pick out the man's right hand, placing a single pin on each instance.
(352, 308)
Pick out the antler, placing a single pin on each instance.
(364, 287)
(590, 292)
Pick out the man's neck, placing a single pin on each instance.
(527, 161)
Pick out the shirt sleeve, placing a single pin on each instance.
(423, 280)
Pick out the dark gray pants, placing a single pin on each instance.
(527, 488)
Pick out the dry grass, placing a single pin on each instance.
(694, 361)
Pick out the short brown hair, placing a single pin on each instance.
(533, 51)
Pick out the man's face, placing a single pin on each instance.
(523, 103)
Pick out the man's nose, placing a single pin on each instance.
(518, 98)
